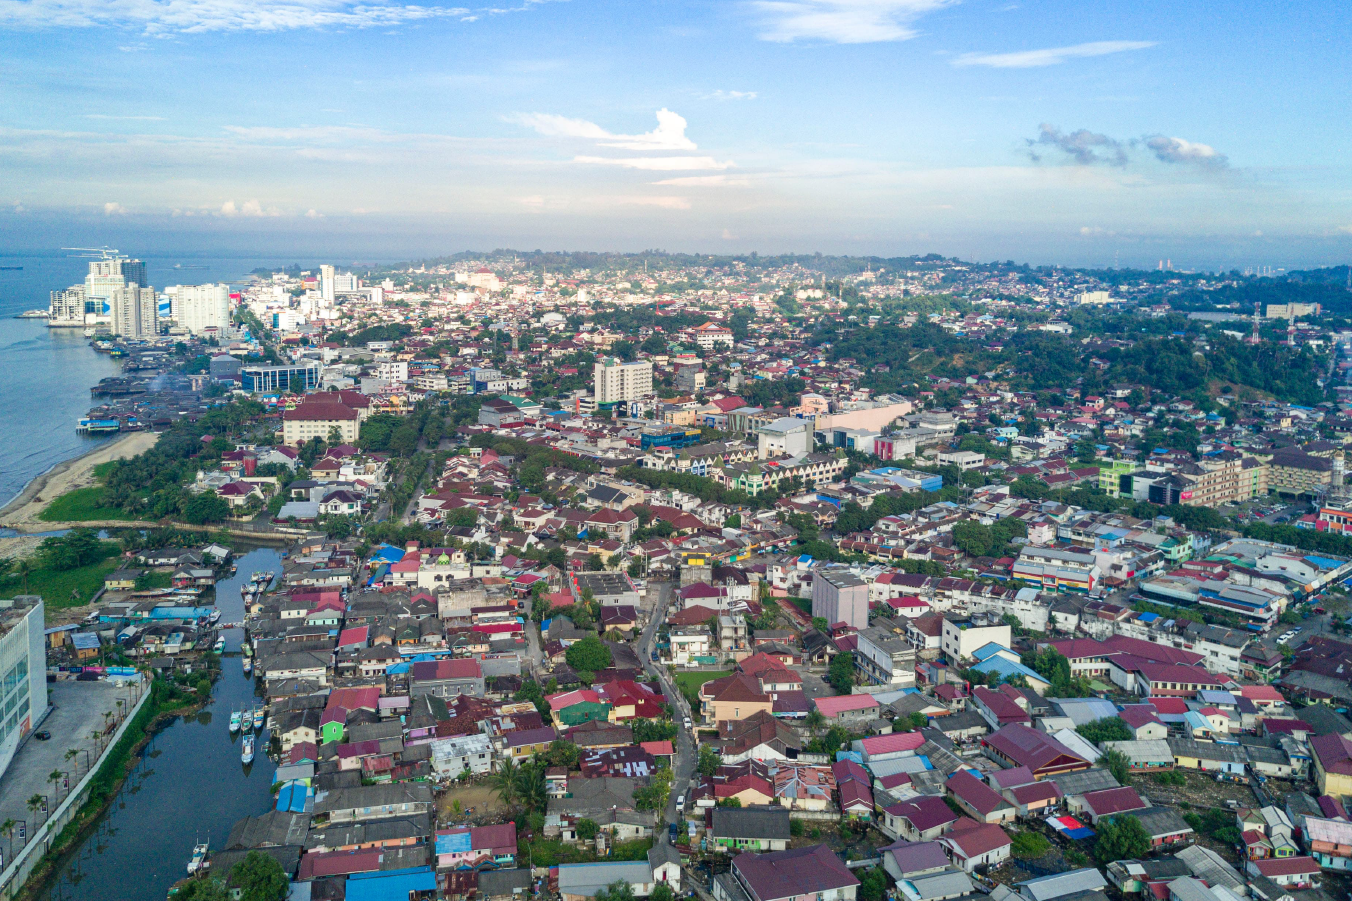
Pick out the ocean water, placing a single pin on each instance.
(46, 374)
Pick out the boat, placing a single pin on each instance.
(246, 753)
(257, 577)
(248, 666)
(259, 717)
(199, 858)
(214, 618)
(246, 649)
(219, 645)
(247, 721)
(235, 716)
(30, 314)
(98, 426)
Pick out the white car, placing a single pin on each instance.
(688, 724)
(680, 803)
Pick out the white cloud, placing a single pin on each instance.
(1050, 56)
(721, 94)
(313, 214)
(668, 135)
(728, 235)
(842, 21)
(125, 118)
(250, 208)
(657, 163)
(705, 181)
(195, 16)
(1179, 150)
(113, 209)
(666, 203)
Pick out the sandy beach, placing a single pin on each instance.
(21, 514)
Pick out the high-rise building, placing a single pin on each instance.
(106, 276)
(134, 312)
(23, 664)
(326, 285)
(616, 381)
(199, 308)
(346, 283)
(67, 309)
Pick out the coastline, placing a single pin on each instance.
(21, 513)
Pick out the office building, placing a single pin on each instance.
(297, 378)
(616, 381)
(134, 312)
(201, 309)
(23, 663)
(839, 596)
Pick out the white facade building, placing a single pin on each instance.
(23, 667)
(134, 312)
(616, 381)
(199, 308)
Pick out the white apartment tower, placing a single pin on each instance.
(199, 308)
(616, 381)
(134, 312)
(326, 285)
(106, 276)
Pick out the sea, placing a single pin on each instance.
(46, 374)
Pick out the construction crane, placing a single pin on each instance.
(105, 253)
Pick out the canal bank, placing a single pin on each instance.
(188, 785)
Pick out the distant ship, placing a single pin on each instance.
(31, 314)
(11, 269)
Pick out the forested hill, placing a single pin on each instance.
(1037, 361)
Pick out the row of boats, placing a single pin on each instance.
(257, 584)
(248, 720)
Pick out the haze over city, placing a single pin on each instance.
(1073, 133)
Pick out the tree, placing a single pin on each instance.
(709, 761)
(872, 885)
(662, 892)
(1106, 729)
(1121, 838)
(1029, 845)
(917, 721)
(1116, 763)
(619, 890)
(587, 829)
(211, 889)
(821, 625)
(588, 654)
(815, 720)
(259, 877)
(505, 783)
(203, 508)
(840, 674)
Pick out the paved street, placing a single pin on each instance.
(79, 713)
(684, 764)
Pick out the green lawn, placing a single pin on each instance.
(56, 586)
(81, 505)
(803, 604)
(689, 683)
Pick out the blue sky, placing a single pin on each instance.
(1076, 132)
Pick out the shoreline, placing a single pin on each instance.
(21, 513)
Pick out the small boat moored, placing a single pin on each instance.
(246, 754)
(259, 717)
(235, 717)
(247, 723)
(199, 858)
(219, 645)
(248, 666)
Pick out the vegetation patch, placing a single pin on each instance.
(82, 505)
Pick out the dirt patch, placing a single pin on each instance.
(479, 796)
(1201, 791)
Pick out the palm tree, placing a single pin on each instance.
(23, 569)
(54, 777)
(35, 804)
(72, 753)
(7, 830)
(531, 784)
(505, 782)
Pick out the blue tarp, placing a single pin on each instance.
(388, 553)
(453, 843)
(850, 755)
(292, 797)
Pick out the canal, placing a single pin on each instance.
(188, 786)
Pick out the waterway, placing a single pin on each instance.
(189, 785)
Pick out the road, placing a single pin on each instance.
(684, 764)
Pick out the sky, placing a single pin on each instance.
(1080, 133)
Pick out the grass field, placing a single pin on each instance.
(81, 505)
(62, 588)
(803, 604)
(689, 683)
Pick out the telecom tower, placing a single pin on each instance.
(1253, 339)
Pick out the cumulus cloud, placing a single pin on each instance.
(1084, 147)
(668, 135)
(842, 21)
(313, 214)
(162, 17)
(1049, 56)
(250, 208)
(113, 209)
(1181, 151)
(1087, 148)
